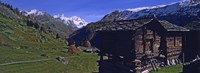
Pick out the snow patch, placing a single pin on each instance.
(34, 11)
(143, 8)
(160, 10)
(62, 17)
(75, 21)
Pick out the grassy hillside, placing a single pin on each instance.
(82, 63)
(16, 33)
(53, 25)
(170, 69)
(21, 42)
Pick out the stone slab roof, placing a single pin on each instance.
(134, 24)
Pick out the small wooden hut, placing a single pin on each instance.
(130, 46)
(192, 42)
(192, 50)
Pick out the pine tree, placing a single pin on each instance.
(57, 36)
(16, 10)
(8, 6)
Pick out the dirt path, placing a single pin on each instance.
(20, 62)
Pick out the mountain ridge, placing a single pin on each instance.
(179, 13)
(53, 25)
(74, 21)
(174, 13)
(19, 31)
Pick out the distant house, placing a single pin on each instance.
(130, 46)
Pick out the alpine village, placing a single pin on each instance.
(158, 39)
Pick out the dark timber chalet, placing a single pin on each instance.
(192, 51)
(192, 42)
(131, 46)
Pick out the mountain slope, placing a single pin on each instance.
(19, 31)
(33, 12)
(25, 42)
(51, 24)
(74, 21)
(180, 13)
(81, 36)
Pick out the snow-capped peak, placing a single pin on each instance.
(148, 8)
(174, 12)
(143, 8)
(61, 16)
(76, 18)
(191, 1)
(75, 21)
(34, 11)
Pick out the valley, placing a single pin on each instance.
(29, 45)
(82, 63)
(156, 39)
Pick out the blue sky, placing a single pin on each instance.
(90, 10)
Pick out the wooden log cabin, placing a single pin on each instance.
(192, 42)
(192, 50)
(131, 46)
